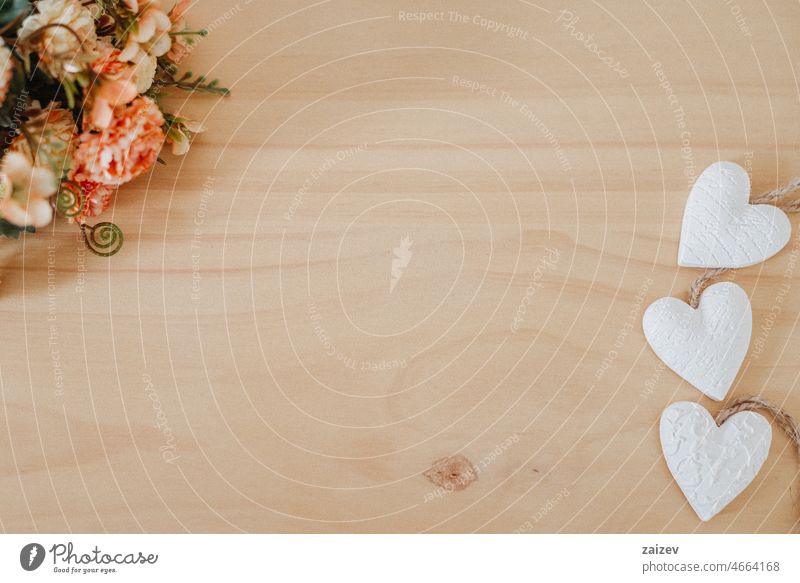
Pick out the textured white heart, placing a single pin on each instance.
(720, 228)
(711, 464)
(705, 346)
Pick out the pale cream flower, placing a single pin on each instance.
(145, 71)
(150, 36)
(52, 131)
(62, 33)
(6, 66)
(25, 191)
(180, 135)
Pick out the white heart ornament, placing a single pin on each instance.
(706, 346)
(712, 465)
(720, 227)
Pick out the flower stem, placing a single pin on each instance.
(201, 32)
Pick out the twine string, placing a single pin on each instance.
(792, 206)
(755, 403)
(700, 283)
(778, 193)
(782, 419)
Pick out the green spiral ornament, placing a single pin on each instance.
(103, 239)
(70, 200)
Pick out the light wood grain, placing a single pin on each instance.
(209, 377)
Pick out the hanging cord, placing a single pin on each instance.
(756, 403)
(700, 283)
(792, 206)
(782, 419)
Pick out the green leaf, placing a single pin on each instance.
(13, 231)
(11, 9)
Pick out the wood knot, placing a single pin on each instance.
(453, 473)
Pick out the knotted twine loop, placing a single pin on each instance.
(782, 419)
(792, 206)
(756, 403)
(779, 193)
(699, 284)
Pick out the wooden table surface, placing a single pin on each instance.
(404, 238)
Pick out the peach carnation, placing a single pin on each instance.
(127, 148)
(108, 61)
(114, 86)
(96, 199)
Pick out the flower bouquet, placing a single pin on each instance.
(81, 88)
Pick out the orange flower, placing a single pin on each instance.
(179, 10)
(108, 62)
(114, 87)
(182, 45)
(96, 199)
(127, 148)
